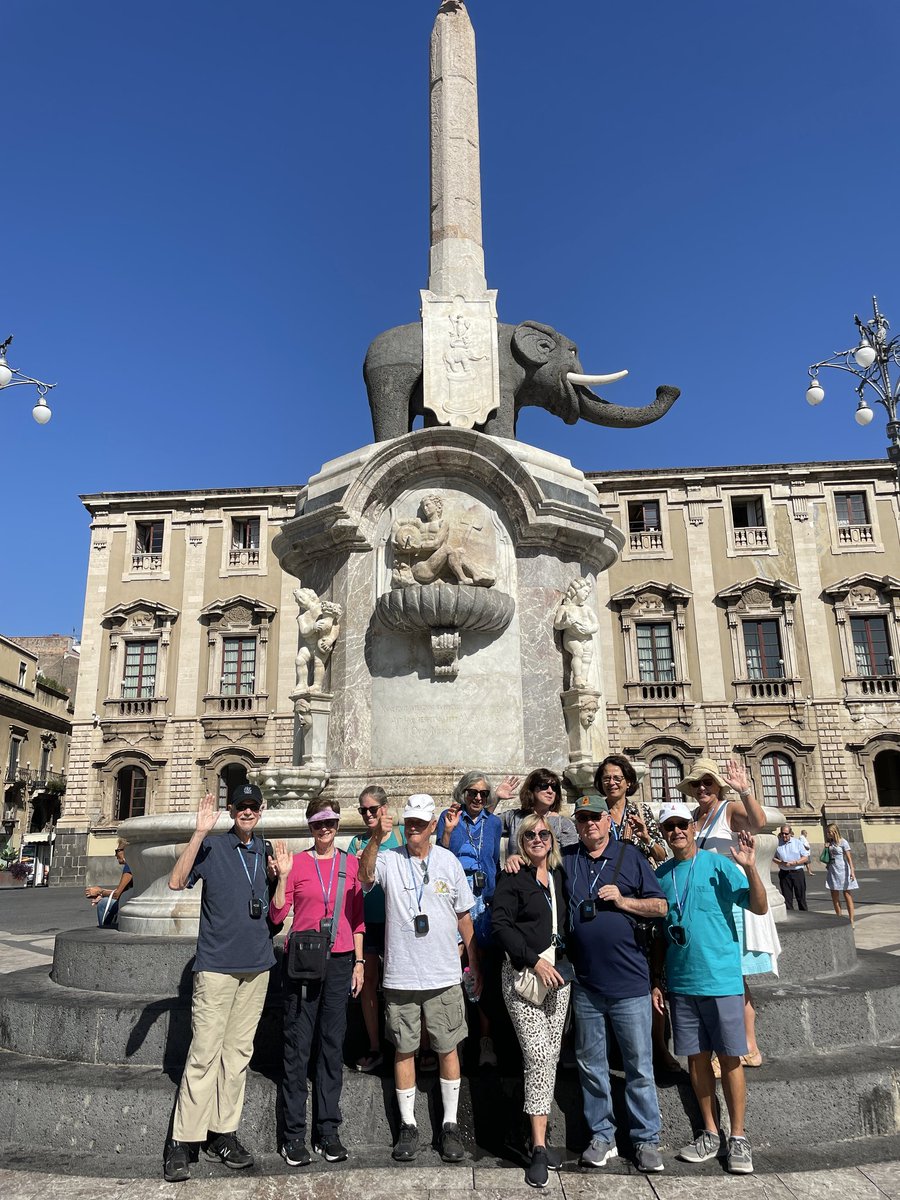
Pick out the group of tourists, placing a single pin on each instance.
(621, 917)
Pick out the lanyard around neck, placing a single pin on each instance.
(681, 900)
(592, 879)
(326, 894)
(418, 889)
(252, 881)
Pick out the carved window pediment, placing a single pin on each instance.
(140, 616)
(237, 612)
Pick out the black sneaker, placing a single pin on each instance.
(228, 1150)
(406, 1146)
(295, 1154)
(537, 1174)
(330, 1147)
(554, 1156)
(451, 1144)
(176, 1162)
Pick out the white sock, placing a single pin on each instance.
(450, 1099)
(406, 1098)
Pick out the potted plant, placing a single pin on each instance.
(19, 872)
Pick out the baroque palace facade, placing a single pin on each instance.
(754, 611)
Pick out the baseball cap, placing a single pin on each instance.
(246, 792)
(675, 809)
(591, 801)
(419, 807)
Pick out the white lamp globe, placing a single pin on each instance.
(41, 412)
(815, 393)
(5, 373)
(863, 414)
(864, 355)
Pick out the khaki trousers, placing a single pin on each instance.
(225, 1012)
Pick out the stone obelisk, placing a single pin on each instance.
(459, 313)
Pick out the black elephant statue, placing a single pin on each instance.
(538, 366)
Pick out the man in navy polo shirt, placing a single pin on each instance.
(231, 976)
(610, 884)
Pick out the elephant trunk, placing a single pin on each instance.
(600, 412)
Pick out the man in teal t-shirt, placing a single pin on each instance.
(371, 805)
(703, 975)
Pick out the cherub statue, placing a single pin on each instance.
(318, 622)
(577, 621)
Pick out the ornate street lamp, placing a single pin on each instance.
(10, 377)
(870, 363)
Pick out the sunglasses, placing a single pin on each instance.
(370, 812)
(535, 835)
(543, 787)
(415, 826)
(584, 818)
(477, 793)
(248, 806)
(328, 823)
(612, 779)
(670, 826)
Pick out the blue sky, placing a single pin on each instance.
(210, 209)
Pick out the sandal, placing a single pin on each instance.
(370, 1061)
(752, 1060)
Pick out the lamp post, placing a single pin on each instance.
(869, 362)
(10, 377)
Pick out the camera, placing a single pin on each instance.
(677, 935)
(325, 925)
(479, 879)
(587, 910)
(420, 924)
(256, 908)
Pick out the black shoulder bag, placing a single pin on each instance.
(645, 929)
(308, 949)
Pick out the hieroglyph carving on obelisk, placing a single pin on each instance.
(461, 377)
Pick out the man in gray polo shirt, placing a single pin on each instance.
(427, 900)
(231, 976)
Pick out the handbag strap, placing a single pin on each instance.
(619, 857)
(339, 897)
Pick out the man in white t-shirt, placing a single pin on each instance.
(427, 900)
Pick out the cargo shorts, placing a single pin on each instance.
(445, 1016)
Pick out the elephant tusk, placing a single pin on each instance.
(594, 380)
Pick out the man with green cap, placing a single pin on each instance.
(609, 887)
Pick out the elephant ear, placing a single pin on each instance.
(533, 343)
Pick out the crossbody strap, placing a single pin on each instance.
(339, 897)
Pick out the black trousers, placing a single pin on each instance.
(793, 885)
(317, 1016)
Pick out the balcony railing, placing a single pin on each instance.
(134, 710)
(751, 537)
(645, 541)
(146, 562)
(772, 691)
(220, 706)
(856, 535)
(247, 557)
(873, 687)
(674, 691)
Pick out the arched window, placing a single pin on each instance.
(779, 781)
(887, 778)
(666, 772)
(131, 793)
(231, 776)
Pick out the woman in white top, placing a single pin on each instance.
(719, 820)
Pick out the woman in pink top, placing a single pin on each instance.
(317, 1011)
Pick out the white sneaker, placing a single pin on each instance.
(487, 1057)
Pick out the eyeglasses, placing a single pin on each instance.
(477, 793)
(370, 812)
(584, 818)
(248, 806)
(328, 823)
(550, 785)
(534, 835)
(670, 826)
(612, 778)
(414, 826)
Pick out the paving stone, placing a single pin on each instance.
(885, 1176)
(848, 1184)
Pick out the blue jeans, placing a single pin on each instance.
(631, 1021)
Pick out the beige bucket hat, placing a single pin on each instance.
(701, 767)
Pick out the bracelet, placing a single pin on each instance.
(359, 962)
